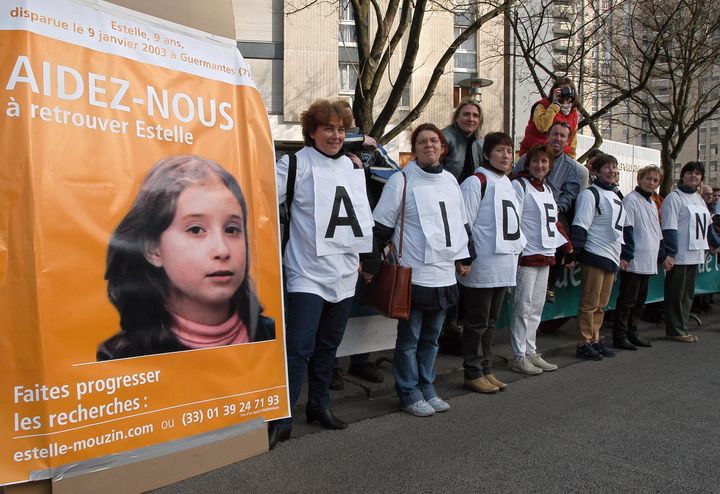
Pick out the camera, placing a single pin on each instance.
(566, 92)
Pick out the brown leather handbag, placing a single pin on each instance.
(389, 291)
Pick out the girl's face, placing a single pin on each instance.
(329, 137)
(203, 253)
(649, 182)
(539, 166)
(692, 178)
(428, 148)
(501, 158)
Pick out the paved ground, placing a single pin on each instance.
(645, 421)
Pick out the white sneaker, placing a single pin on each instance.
(420, 409)
(537, 360)
(523, 366)
(438, 404)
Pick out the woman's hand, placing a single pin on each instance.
(669, 263)
(356, 161)
(366, 277)
(369, 142)
(461, 269)
(624, 265)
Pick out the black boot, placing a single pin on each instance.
(277, 434)
(637, 341)
(325, 417)
(621, 341)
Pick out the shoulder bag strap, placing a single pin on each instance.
(289, 195)
(483, 184)
(402, 217)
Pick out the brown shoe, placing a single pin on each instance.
(480, 385)
(495, 381)
(686, 338)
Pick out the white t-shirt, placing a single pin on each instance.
(642, 215)
(605, 230)
(688, 214)
(538, 219)
(326, 271)
(434, 234)
(496, 230)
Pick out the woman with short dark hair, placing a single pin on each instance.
(687, 228)
(492, 209)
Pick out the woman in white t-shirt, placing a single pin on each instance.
(687, 228)
(491, 206)
(435, 245)
(642, 237)
(544, 234)
(330, 225)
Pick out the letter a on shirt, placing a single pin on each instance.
(343, 221)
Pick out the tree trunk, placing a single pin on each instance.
(668, 164)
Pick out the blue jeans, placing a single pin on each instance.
(315, 328)
(415, 351)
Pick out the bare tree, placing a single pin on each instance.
(573, 38)
(682, 38)
(385, 29)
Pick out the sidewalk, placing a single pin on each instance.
(361, 400)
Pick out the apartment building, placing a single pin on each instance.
(574, 37)
(301, 51)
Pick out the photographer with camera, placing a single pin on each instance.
(562, 107)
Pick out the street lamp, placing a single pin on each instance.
(475, 84)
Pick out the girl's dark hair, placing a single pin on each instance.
(431, 128)
(602, 160)
(138, 289)
(322, 112)
(537, 150)
(692, 166)
(492, 140)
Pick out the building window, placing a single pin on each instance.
(405, 101)
(347, 78)
(466, 55)
(347, 50)
(346, 33)
(465, 58)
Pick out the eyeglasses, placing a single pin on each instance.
(431, 140)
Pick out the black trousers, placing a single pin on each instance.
(630, 302)
(482, 308)
(679, 293)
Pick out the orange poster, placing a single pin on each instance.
(140, 293)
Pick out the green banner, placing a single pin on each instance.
(567, 292)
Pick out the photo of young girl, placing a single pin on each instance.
(178, 267)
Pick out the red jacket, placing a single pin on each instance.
(534, 135)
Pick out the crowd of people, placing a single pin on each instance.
(473, 222)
